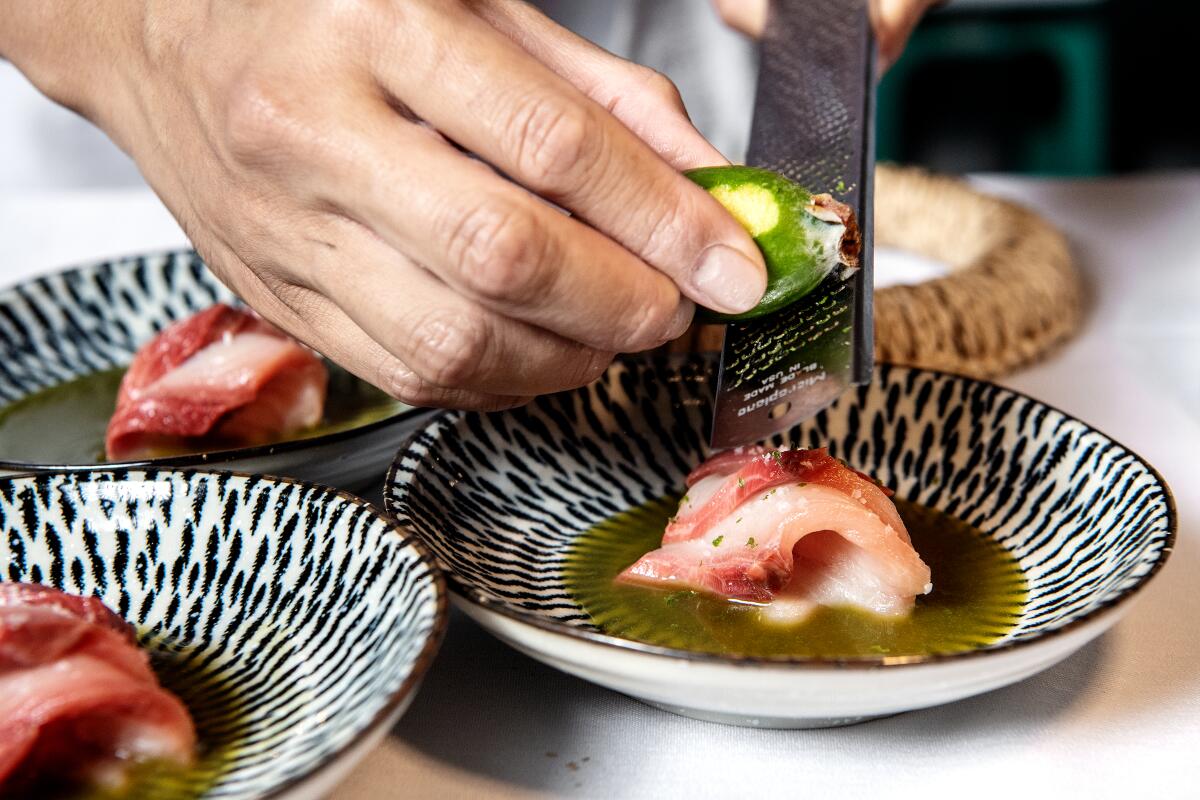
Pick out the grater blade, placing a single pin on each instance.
(814, 123)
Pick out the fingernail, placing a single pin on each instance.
(728, 281)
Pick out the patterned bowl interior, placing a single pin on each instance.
(83, 320)
(289, 617)
(60, 326)
(500, 497)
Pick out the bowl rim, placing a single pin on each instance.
(474, 596)
(202, 459)
(407, 689)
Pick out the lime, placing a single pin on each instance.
(803, 236)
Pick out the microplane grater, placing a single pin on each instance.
(813, 123)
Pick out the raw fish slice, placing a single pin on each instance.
(34, 635)
(38, 624)
(725, 463)
(293, 401)
(88, 609)
(78, 697)
(829, 570)
(754, 472)
(750, 555)
(794, 529)
(222, 375)
(177, 343)
(81, 714)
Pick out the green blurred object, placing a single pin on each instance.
(981, 41)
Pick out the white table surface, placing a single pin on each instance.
(1119, 719)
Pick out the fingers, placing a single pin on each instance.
(446, 339)
(645, 100)
(545, 134)
(747, 16)
(485, 237)
(318, 322)
(499, 246)
(894, 21)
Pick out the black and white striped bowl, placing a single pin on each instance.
(295, 621)
(499, 498)
(90, 318)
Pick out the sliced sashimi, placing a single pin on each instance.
(794, 529)
(87, 717)
(79, 700)
(748, 472)
(38, 624)
(725, 463)
(29, 596)
(222, 378)
(177, 343)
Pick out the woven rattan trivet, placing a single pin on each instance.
(1012, 293)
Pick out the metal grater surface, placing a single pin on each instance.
(813, 122)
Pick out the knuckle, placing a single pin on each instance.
(449, 347)
(653, 324)
(402, 384)
(395, 378)
(260, 120)
(294, 294)
(669, 225)
(588, 367)
(660, 86)
(550, 140)
(497, 250)
(672, 226)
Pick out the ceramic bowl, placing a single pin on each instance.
(91, 318)
(295, 621)
(499, 499)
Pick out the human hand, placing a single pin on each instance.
(893, 21)
(306, 149)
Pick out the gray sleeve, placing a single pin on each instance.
(714, 67)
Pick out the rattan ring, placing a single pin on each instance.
(1011, 295)
(1013, 291)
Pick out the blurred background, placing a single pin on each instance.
(1079, 87)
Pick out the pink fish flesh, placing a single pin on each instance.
(789, 529)
(221, 378)
(78, 699)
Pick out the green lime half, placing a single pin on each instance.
(803, 236)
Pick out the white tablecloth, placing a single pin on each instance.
(1119, 719)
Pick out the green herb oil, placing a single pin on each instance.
(978, 593)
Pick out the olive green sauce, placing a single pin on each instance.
(218, 711)
(65, 424)
(978, 593)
